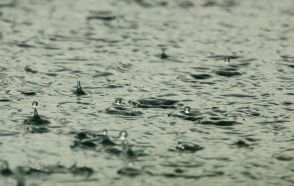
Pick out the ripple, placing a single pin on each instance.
(241, 143)
(228, 72)
(30, 70)
(201, 76)
(187, 147)
(190, 116)
(219, 122)
(132, 171)
(4, 99)
(28, 93)
(101, 15)
(38, 129)
(122, 111)
(154, 103)
(4, 169)
(36, 121)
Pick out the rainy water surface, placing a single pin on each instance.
(137, 92)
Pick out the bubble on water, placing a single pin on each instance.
(187, 110)
(118, 101)
(78, 76)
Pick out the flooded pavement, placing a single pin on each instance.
(144, 92)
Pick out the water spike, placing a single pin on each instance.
(79, 90)
(163, 54)
(104, 132)
(35, 104)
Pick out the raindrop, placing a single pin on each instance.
(227, 59)
(163, 54)
(118, 101)
(188, 147)
(126, 147)
(180, 146)
(123, 137)
(35, 104)
(79, 90)
(105, 139)
(104, 132)
(187, 110)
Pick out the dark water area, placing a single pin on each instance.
(137, 92)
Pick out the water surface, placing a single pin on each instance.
(240, 127)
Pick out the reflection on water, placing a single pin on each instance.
(182, 92)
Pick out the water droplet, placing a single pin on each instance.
(227, 59)
(163, 54)
(118, 101)
(104, 132)
(35, 104)
(187, 110)
(123, 135)
(79, 90)
(180, 145)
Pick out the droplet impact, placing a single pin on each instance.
(187, 110)
(180, 146)
(36, 119)
(227, 59)
(188, 147)
(104, 132)
(79, 91)
(35, 104)
(126, 147)
(105, 139)
(163, 54)
(123, 135)
(118, 101)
